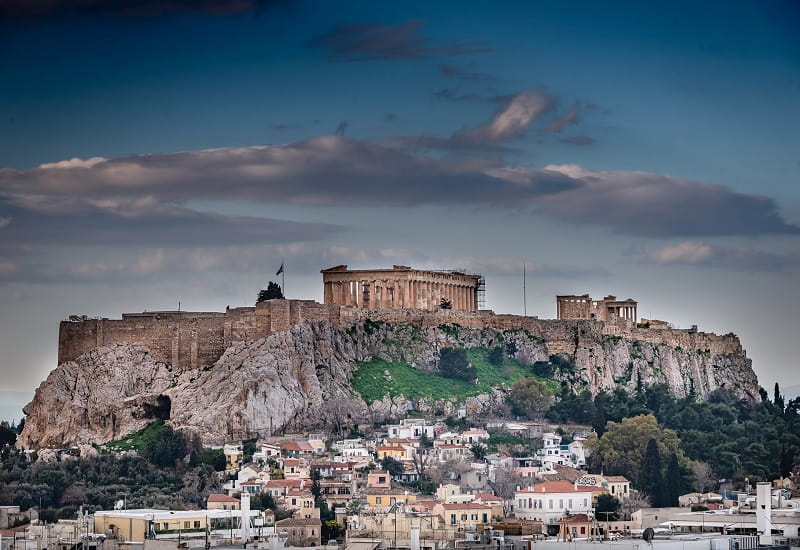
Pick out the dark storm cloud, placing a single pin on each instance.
(31, 10)
(380, 41)
(743, 258)
(63, 221)
(577, 140)
(335, 171)
(454, 71)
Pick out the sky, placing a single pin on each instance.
(167, 151)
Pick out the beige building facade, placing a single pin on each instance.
(400, 287)
(584, 307)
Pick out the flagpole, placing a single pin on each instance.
(283, 277)
(524, 292)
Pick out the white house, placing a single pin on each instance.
(549, 501)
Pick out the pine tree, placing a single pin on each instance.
(651, 481)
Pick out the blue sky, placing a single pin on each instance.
(642, 150)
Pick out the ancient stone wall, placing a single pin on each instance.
(189, 340)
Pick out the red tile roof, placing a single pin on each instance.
(216, 497)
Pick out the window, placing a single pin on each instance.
(463, 517)
(583, 530)
(377, 500)
(186, 524)
(550, 503)
(569, 504)
(561, 503)
(197, 525)
(585, 502)
(474, 517)
(452, 519)
(165, 526)
(485, 518)
(382, 479)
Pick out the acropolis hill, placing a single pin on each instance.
(285, 364)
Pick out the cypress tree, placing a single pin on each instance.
(651, 480)
(672, 483)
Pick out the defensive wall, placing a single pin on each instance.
(190, 340)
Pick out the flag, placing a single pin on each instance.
(280, 269)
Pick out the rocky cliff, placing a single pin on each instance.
(301, 378)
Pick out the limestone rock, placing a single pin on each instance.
(300, 379)
(108, 393)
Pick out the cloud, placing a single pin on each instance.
(454, 71)
(698, 253)
(155, 263)
(4, 222)
(380, 41)
(336, 171)
(513, 267)
(32, 10)
(453, 94)
(581, 140)
(325, 171)
(570, 117)
(511, 120)
(64, 221)
(660, 206)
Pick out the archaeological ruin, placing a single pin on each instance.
(607, 309)
(401, 287)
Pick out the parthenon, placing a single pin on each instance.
(607, 309)
(399, 287)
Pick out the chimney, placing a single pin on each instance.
(764, 512)
(415, 537)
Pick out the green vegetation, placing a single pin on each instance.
(453, 364)
(137, 441)
(376, 379)
(738, 438)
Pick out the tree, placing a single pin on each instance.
(164, 446)
(213, 457)
(530, 398)
(778, 399)
(394, 467)
(496, 356)
(446, 304)
(650, 479)
(424, 441)
(703, 476)
(272, 292)
(672, 481)
(8, 436)
(479, 451)
(621, 449)
(635, 501)
(505, 483)
(607, 507)
(453, 364)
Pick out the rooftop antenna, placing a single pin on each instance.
(524, 290)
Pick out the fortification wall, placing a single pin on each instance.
(189, 340)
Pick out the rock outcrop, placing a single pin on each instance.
(300, 378)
